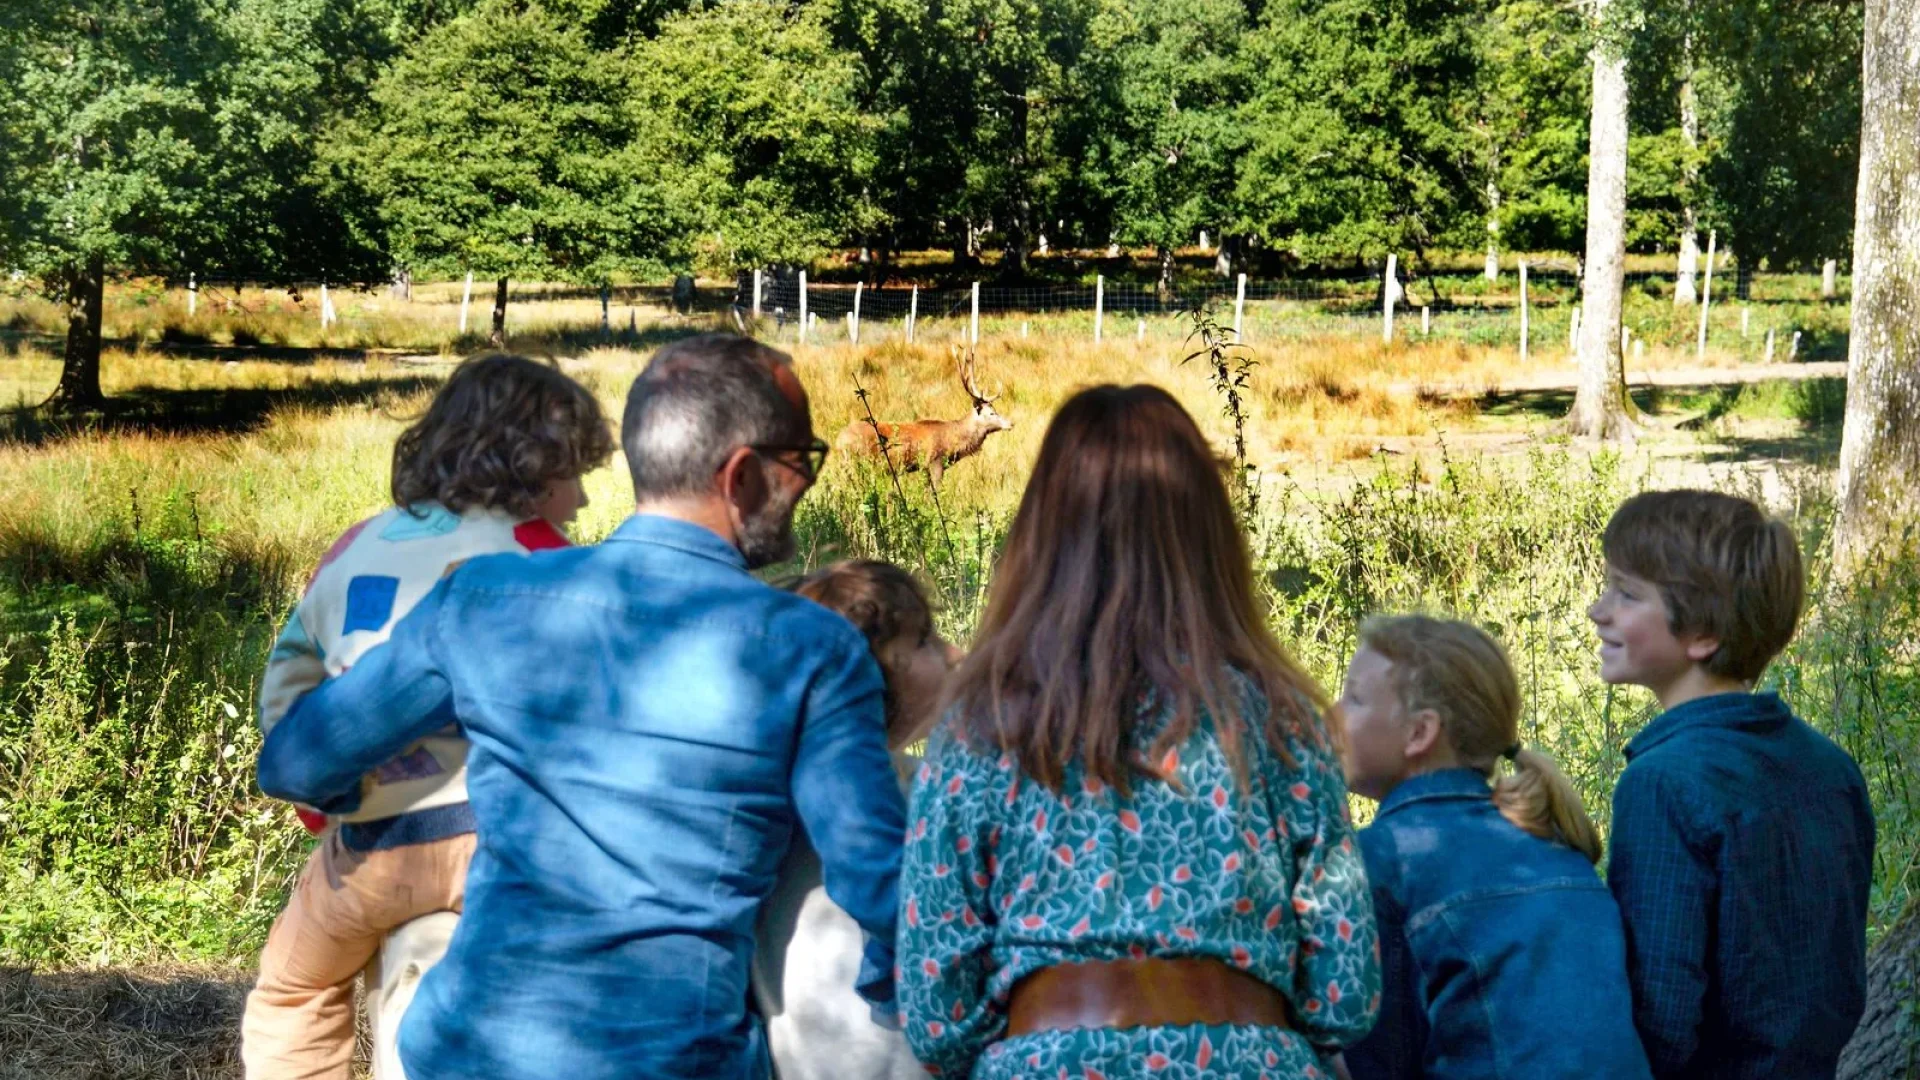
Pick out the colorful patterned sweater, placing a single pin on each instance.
(371, 577)
(1003, 877)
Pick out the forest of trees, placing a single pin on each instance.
(607, 140)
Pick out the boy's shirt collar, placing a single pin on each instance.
(1748, 711)
(1462, 783)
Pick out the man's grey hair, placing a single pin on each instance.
(699, 399)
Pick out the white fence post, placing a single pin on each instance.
(803, 306)
(1239, 307)
(853, 317)
(326, 307)
(193, 295)
(1626, 338)
(1140, 330)
(1706, 299)
(466, 298)
(913, 314)
(1793, 347)
(1829, 271)
(1387, 297)
(1768, 358)
(1426, 321)
(756, 292)
(1525, 318)
(973, 330)
(1099, 305)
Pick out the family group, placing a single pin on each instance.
(676, 809)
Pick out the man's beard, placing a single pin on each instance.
(767, 537)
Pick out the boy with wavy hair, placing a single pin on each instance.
(1742, 843)
(493, 466)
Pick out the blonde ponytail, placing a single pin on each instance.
(1461, 673)
(1539, 799)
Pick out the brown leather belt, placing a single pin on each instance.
(1143, 993)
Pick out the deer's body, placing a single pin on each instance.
(927, 444)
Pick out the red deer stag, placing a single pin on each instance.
(929, 444)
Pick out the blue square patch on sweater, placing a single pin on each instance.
(370, 602)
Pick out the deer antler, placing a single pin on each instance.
(967, 380)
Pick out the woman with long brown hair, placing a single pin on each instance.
(1128, 847)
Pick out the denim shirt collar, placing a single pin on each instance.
(1735, 710)
(683, 536)
(1445, 784)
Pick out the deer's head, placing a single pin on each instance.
(984, 414)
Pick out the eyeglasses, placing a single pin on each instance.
(814, 456)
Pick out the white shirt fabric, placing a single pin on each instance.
(806, 959)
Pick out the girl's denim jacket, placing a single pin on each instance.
(1502, 954)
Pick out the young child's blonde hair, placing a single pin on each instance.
(1461, 673)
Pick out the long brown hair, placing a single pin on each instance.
(501, 429)
(1125, 579)
(1461, 673)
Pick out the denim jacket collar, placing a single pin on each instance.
(1445, 784)
(679, 535)
(1736, 710)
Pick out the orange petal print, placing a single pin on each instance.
(1205, 1055)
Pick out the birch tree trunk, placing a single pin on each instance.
(1880, 446)
(1493, 229)
(1601, 408)
(1684, 292)
(79, 387)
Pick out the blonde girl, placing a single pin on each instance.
(1502, 953)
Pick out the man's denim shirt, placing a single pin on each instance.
(646, 718)
(1501, 953)
(1742, 858)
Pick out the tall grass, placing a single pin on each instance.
(143, 575)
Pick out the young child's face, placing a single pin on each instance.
(1376, 722)
(1637, 642)
(562, 502)
(918, 672)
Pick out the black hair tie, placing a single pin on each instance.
(1511, 753)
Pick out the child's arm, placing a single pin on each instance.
(1666, 887)
(343, 728)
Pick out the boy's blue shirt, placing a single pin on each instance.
(647, 721)
(1742, 856)
(1501, 953)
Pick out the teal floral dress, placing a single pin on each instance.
(1003, 877)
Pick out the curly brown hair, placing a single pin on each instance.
(497, 434)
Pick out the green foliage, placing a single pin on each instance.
(504, 143)
(1530, 124)
(1177, 135)
(1358, 140)
(757, 110)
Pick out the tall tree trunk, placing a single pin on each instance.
(1884, 1045)
(1493, 228)
(1880, 445)
(79, 387)
(1601, 408)
(498, 338)
(1684, 291)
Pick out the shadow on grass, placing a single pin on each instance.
(198, 412)
(158, 1023)
(1816, 406)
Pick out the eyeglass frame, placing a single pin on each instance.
(816, 452)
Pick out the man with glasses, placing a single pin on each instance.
(649, 723)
